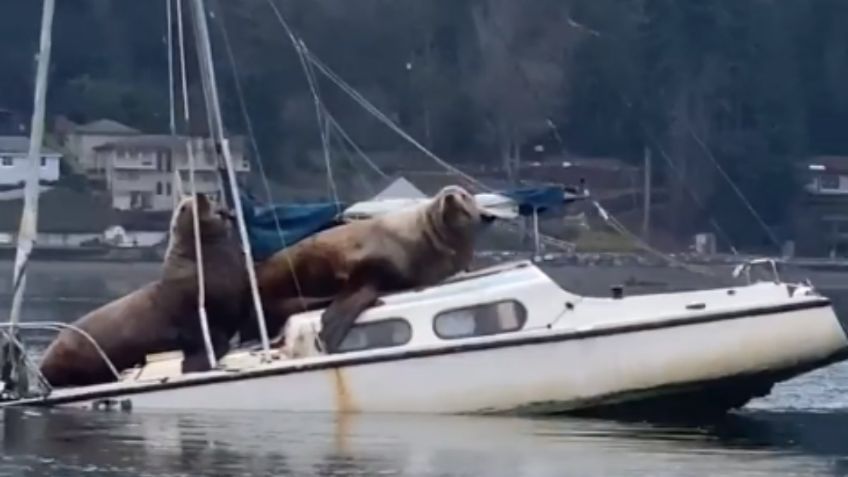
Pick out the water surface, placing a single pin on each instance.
(801, 429)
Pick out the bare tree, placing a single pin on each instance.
(524, 51)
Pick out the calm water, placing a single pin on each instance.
(800, 430)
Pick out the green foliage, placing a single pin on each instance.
(754, 84)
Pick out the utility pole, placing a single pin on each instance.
(646, 193)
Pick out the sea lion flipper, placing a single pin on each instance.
(195, 358)
(339, 318)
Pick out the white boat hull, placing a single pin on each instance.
(542, 373)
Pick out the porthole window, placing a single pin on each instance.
(480, 320)
(377, 334)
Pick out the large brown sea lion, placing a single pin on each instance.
(162, 315)
(350, 265)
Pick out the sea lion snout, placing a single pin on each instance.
(225, 214)
(459, 207)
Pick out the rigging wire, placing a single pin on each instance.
(176, 180)
(320, 109)
(360, 175)
(612, 221)
(201, 280)
(254, 144)
(172, 116)
(213, 107)
(679, 176)
(733, 185)
(346, 138)
(322, 127)
(368, 106)
(306, 55)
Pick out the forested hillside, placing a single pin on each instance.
(753, 86)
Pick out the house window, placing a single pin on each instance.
(6, 161)
(158, 188)
(128, 175)
(377, 334)
(168, 188)
(480, 320)
(829, 181)
(43, 161)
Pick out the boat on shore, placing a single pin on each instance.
(508, 339)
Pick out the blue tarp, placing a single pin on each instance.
(265, 224)
(541, 199)
(299, 221)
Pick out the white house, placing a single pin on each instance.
(140, 172)
(14, 163)
(81, 141)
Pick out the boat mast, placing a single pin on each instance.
(198, 249)
(29, 215)
(222, 147)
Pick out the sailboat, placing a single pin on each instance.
(501, 339)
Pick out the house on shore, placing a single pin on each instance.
(80, 141)
(14, 166)
(144, 172)
(820, 215)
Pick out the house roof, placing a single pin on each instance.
(105, 126)
(161, 140)
(144, 140)
(20, 144)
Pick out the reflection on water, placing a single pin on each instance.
(47, 443)
(800, 430)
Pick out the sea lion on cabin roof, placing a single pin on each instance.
(162, 315)
(348, 266)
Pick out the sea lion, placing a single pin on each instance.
(347, 267)
(163, 314)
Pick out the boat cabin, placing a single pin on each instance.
(501, 303)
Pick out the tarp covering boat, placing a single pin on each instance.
(272, 227)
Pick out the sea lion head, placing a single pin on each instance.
(458, 209)
(214, 221)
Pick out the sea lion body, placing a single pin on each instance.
(350, 265)
(162, 315)
(72, 360)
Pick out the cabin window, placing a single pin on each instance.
(829, 181)
(480, 320)
(377, 334)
